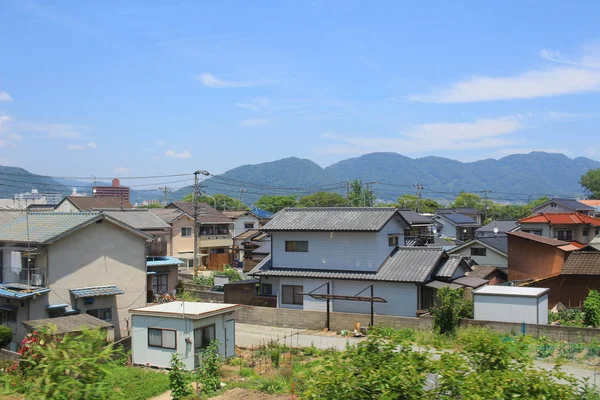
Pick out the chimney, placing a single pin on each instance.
(116, 182)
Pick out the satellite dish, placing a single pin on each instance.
(495, 230)
(464, 231)
(434, 231)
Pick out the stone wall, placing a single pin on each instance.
(7, 355)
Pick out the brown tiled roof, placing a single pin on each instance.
(247, 234)
(237, 213)
(582, 263)
(87, 203)
(483, 271)
(537, 238)
(206, 214)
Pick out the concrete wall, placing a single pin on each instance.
(491, 257)
(348, 251)
(100, 254)
(528, 259)
(511, 308)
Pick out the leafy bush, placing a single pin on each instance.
(209, 280)
(6, 336)
(272, 385)
(447, 314)
(567, 317)
(178, 378)
(591, 309)
(205, 280)
(488, 351)
(210, 366)
(275, 356)
(125, 382)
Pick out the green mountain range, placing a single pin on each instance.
(515, 178)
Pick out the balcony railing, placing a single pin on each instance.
(155, 249)
(26, 276)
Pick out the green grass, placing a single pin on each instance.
(135, 383)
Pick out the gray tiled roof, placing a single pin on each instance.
(503, 226)
(449, 267)
(206, 213)
(168, 215)
(569, 203)
(459, 219)
(68, 324)
(483, 271)
(371, 219)
(138, 219)
(406, 264)
(470, 281)
(7, 216)
(499, 243)
(43, 227)
(263, 248)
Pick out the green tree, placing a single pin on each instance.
(590, 181)
(465, 199)
(153, 205)
(322, 199)
(275, 203)
(6, 336)
(178, 378)
(409, 202)
(359, 195)
(222, 202)
(450, 308)
(591, 309)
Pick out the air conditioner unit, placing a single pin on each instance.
(37, 280)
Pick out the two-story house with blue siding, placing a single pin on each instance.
(351, 249)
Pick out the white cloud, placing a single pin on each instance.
(248, 106)
(78, 147)
(121, 170)
(53, 130)
(8, 138)
(481, 133)
(174, 154)
(211, 81)
(4, 96)
(254, 122)
(568, 77)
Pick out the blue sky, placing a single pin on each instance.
(138, 87)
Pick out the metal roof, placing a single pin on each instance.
(42, 227)
(186, 309)
(405, 264)
(415, 218)
(93, 291)
(360, 219)
(206, 213)
(162, 261)
(138, 218)
(503, 226)
(263, 214)
(499, 243)
(459, 219)
(68, 324)
(519, 291)
(582, 263)
(449, 267)
(19, 291)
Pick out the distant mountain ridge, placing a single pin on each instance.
(534, 174)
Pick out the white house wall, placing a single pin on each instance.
(348, 251)
(238, 224)
(491, 257)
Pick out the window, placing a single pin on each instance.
(56, 313)
(564, 234)
(186, 232)
(8, 316)
(296, 246)
(163, 338)
(249, 225)
(585, 232)
(533, 231)
(105, 314)
(478, 251)
(202, 337)
(159, 283)
(291, 294)
(392, 240)
(266, 288)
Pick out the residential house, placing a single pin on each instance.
(185, 328)
(494, 275)
(420, 231)
(455, 225)
(244, 245)
(533, 257)
(485, 250)
(564, 206)
(242, 220)
(58, 264)
(497, 228)
(595, 204)
(163, 276)
(349, 252)
(215, 241)
(562, 226)
(72, 204)
(571, 285)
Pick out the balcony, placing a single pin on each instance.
(26, 276)
(156, 249)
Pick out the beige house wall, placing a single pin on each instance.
(66, 206)
(179, 243)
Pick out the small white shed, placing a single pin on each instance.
(511, 304)
(159, 331)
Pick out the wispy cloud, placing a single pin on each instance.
(255, 104)
(563, 76)
(211, 81)
(174, 154)
(481, 133)
(8, 138)
(4, 96)
(121, 170)
(53, 130)
(254, 122)
(78, 147)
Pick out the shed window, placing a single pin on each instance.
(186, 232)
(393, 241)
(298, 246)
(478, 251)
(8, 316)
(105, 314)
(163, 338)
(203, 336)
(585, 232)
(292, 294)
(249, 225)
(266, 288)
(160, 283)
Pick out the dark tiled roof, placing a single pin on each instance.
(406, 264)
(499, 243)
(582, 263)
(467, 210)
(371, 219)
(568, 203)
(503, 226)
(68, 324)
(87, 203)
(537, 238)
(449, 267)
(263, 248)
(483, 271)
(206, 214)
(470, 281)
(415, 218)
(109, 290)
(441, 284)
(460, 219)
(168, 215)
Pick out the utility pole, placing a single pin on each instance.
(242, 191)
(195, 230)
(419, 188)
(166, 192)
(485, 203)
(347, 183)
(367, 193)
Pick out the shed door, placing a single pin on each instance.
(230, 338)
